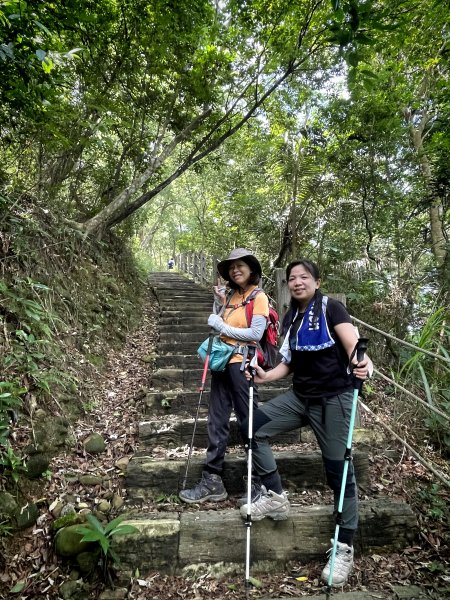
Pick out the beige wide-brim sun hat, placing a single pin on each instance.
(224, 266)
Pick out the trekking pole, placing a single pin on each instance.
(360, 348)
(248, 519)
(201, 390)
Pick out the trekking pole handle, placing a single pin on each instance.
(253, 360)
(360, 349)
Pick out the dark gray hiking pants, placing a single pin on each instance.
(287, 412)
(229, 391)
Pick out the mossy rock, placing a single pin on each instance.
(51, 434)
(68, 542)
(94, 444)
(8, 504)
(88, 561)
(36, 465)
(26, 516)
(74, 590)
(70, 519)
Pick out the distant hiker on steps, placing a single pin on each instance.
(170, 264)
(319, 341)
(229, 388)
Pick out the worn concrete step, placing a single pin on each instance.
(181, 319)
(186, 402)
(149, 477)
(205, 308)
(169, 379)
(186, 327)
(176, 401)
(180, 379)
(397, 592)
(173, 431)
(180, 361)
(169, 542)
(184, 299)
(177, 290)
(182, 338)
(170, 276)
(185, 348)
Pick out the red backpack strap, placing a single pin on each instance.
(249, 304)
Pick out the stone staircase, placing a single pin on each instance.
(174, 538)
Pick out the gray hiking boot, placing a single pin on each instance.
(268, 504)
(210, 488)
(343, 564)
(255, 490)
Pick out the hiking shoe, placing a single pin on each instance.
(343, 564)
(268, 504)
(210, 488)
(255, 490)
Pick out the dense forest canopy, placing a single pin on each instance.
(313, 127)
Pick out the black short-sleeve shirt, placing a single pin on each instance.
(322, 373)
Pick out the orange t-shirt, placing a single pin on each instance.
(234, 315)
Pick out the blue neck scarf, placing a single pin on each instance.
(312, 336)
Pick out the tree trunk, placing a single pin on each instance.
(121, 207)
(436, 210)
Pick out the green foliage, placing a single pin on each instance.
(432, 375)
(103, 536)
(5, 529)
(31, 339)
(10, 399)
(13, 465)
(167, 499)
(435, 500)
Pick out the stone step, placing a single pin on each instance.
(168, 347)
(174, 431)
(181, 361)
(179, 287)
(169, 276)
(180, 379)
(169, 542)
(399, 592)
(181, 318)
(188, 308)
(169, 379)
(186, 327)
(149, 477)
(176, 401)
(182, 338)
(169, 297)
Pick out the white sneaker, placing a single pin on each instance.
(268, 504)
(343, 564)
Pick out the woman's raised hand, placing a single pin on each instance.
(219, 293)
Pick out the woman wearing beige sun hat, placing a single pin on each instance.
(229, 388)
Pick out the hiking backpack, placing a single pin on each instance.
(267, 346)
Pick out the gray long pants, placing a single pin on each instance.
(287, 412)
(229, 390)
